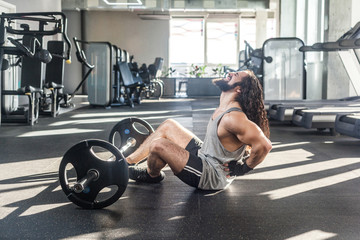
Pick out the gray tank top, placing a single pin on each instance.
(214, 155)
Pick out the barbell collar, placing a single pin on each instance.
(130, 142)
(80, 185)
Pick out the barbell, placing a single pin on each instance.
(130, 127)
(101, 177)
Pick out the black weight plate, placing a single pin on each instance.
(126, 128)
(111, 172)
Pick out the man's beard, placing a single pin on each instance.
(223, 85)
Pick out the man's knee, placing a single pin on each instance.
(157, 146)
(155, 159)
(170, 121)
(166, 126)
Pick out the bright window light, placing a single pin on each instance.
(247, 32)
(222, 42)
(104, 120)
(311, 185)
(187, 40)
(186, 43)
(57, 132)
(302, 169)
(33, 210)
(138, 2)
(176, 218)
(314, 235)
(5, 211)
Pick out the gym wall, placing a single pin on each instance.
(145, 39)
(36, 5)
(317, 21)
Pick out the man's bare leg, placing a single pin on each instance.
(170, 130)
(164, 151)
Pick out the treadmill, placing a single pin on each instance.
(348, 124)
(325, 117)
(322, 118)
(284, 78)
(284, 110)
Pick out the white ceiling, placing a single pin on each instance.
(166, 5)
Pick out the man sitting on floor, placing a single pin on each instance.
(236, 140)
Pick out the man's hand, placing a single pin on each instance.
(236, 168)
(247, 132)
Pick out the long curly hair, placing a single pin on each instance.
(252, 102)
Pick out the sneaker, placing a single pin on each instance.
(141, 175)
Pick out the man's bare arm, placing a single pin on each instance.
(260, 144)
(250, 134)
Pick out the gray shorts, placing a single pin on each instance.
(193, 170)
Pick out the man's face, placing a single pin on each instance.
(231, 80)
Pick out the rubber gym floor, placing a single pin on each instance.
(307, 188)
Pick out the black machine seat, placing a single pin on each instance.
(55, 69)
(27, 90)
(53, 85)
(155, 68)
(54, 78)
(127, 77)
(133, 85)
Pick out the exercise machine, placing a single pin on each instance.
(112, 84)
(31, 57)
(322, 118)
(130, 84)
(154, 86)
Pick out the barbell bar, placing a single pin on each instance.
(93, 174)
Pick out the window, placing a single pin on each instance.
(186, 43)
(222, 42)
(247, 32)
(210, 42)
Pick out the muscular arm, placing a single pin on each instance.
(250, 134)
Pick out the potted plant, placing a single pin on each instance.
(218, 70)
(200, 85)
(197, 71)
(168, 72)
